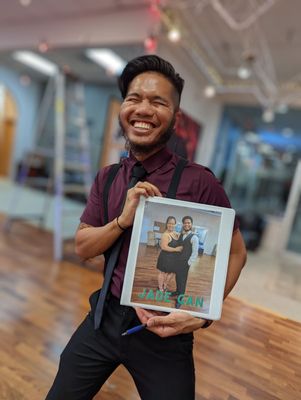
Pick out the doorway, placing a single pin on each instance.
(8, 119)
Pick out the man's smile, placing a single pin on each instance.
(142, 124)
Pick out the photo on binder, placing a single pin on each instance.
(178, 257)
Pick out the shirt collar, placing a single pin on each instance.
(155, 161)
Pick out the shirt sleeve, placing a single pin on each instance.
(195, 249)
(92, 214)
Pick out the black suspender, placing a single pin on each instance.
(175, 180)
(112, 173)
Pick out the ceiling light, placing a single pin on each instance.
(25, 3)
(209, 91)
(268, 115)
(282, 108)
(244, 72)
(174, 35)
(107, 59)
(36, 62)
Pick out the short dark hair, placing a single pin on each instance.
(187, 217)
(149, 63)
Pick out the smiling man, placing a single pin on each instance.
(159, 358)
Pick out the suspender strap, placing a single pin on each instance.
(172, 190)
(112, 173)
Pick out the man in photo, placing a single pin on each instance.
(190, 243)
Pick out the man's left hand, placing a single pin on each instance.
(172, 324)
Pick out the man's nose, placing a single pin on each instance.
(144, 108)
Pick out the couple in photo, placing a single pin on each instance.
(178, 252)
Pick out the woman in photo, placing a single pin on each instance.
(168, 256)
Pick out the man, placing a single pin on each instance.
(159, 358)
(188, 255)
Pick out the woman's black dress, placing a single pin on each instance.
(166, 260)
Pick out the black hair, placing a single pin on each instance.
(149, 63)
(168, 219)
(187, 217)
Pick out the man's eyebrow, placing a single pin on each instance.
(155, 97)
(133, 94)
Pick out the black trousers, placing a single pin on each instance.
(181, 278)
(162, 368)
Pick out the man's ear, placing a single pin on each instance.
(177, 117)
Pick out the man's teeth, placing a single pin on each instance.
(143, 125)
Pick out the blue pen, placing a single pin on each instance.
(134, 329)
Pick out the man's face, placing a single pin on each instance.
(187, 225)
(147, 114)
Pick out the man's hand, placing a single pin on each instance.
(132, 199)
(171, 324)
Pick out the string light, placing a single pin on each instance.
(150, 45)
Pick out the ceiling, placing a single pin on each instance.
(218, 36)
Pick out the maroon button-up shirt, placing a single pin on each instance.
(197, 184)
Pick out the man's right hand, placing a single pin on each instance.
(146, 189)
(178, 249)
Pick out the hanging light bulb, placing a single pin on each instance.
(209, 91)
(244, 72)
(174, 35)
(245, 69)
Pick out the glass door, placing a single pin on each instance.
(292, 220)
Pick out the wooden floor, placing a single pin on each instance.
(249, 354)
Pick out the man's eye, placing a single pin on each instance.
(131, 99)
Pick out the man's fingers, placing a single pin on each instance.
(160, 321)
(145, 315)
(151, 189)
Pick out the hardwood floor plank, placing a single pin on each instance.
(251, 354)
